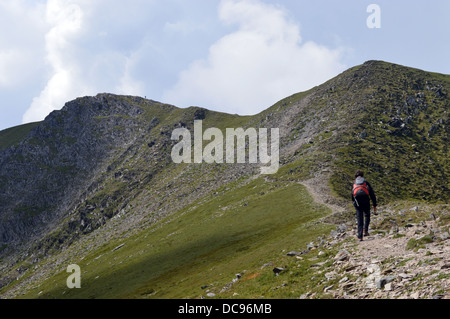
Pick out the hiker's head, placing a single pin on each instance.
(359, 173)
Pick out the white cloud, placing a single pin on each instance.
(128, 85)
(12, 64)
(65, 20)
(82, 57)
(261, 62)
(184, 27)
(86, 47)
(20, 37)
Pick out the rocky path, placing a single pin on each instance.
(320, 192)
(406, 256)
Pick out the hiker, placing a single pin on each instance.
(362, 193)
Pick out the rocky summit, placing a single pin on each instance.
(94, 185)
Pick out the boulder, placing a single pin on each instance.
(292, 253)
(342, 255)
(278, 270)
(380, 283)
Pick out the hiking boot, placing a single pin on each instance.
(366, 233)
(360, 238)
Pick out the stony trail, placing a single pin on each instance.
(405, 256)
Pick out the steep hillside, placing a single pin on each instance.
(389, 120)
(94, 184)
(98, 158)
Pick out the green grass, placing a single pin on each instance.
(14, 135)
(414, 244)
(408, 154)
(299, 277)
(208, 243)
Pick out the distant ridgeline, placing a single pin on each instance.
(110, 156)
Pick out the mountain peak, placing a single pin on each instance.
(99, 172)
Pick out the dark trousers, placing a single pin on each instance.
(363, 217)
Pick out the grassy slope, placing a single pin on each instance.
(242, 226)
(394, 156)
(14, 135)
(367, 98)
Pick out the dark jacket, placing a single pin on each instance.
(365, 201)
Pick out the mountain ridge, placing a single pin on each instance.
(111, 156)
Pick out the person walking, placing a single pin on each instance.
(362, 194)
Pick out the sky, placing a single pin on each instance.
(233, 56)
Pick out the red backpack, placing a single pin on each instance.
(360, 187)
